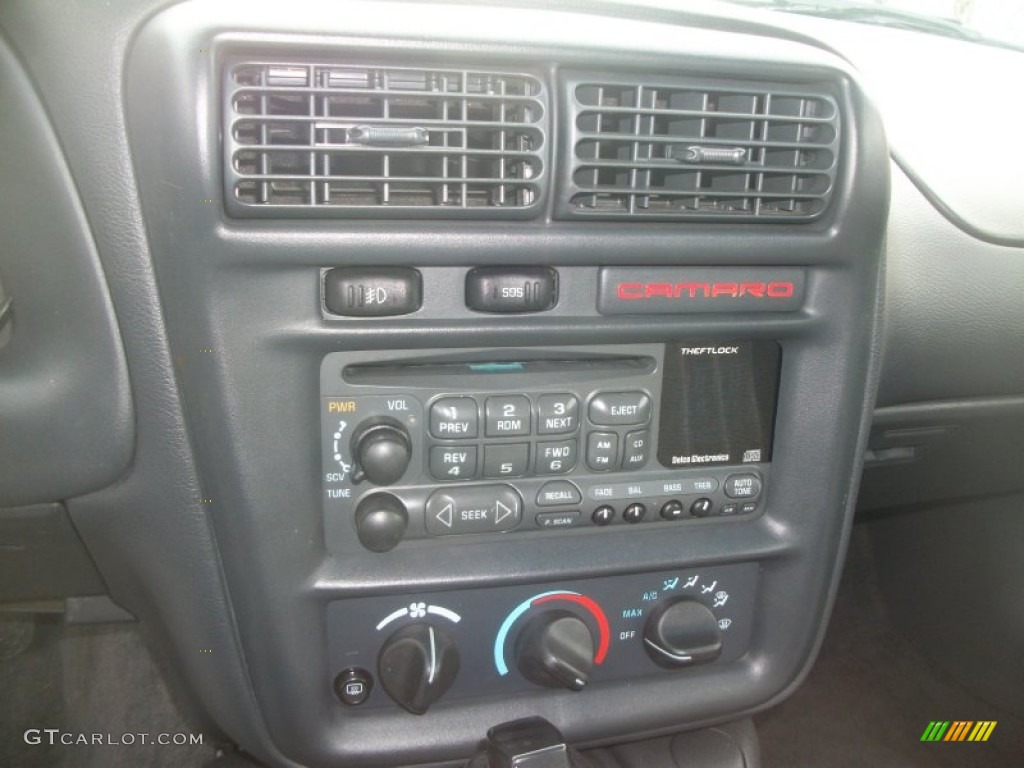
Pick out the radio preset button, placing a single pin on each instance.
(506, 460)
(602, 447)
(556, 458)
(507, 416)
(473, 509)
(558, 493)
(746, 486)
(619, 408)
(453, 462)
(603, 515)
(635, 449)
(634, 513)
(557, 414)
(453, 418)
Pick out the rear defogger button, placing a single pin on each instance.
(473, 509)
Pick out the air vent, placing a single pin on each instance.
(333, 139)
(668, 148)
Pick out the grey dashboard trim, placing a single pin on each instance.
(65, 400)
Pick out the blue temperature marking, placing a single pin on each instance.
(499, 641)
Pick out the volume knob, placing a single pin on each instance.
(382, 451)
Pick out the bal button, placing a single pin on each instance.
(634, 513)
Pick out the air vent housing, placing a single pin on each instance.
(305, 138)
(664, 148)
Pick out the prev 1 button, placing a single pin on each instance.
(473, 509)
(453, 418)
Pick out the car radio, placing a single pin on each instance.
(430, 444)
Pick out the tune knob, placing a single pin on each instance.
(556, 649)
(416, 665)
(682, 632)
(381, 450)
(381, 520)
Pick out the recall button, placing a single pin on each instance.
(473, 509)
(558, 493)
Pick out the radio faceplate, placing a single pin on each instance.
(441, 443)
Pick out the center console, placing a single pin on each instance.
(521, 380)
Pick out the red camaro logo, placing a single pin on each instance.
(693, 290)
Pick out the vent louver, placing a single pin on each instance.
(674, 148)
(326, 139)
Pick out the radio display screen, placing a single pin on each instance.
(718, 403)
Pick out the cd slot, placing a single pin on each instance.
(508, 367)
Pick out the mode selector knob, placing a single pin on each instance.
(555, 650)
(682, 632)
(382, 451)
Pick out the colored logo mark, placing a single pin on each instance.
(958, 730)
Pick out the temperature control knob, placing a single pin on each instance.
(417, 665)
(381, 451)
(556, 649)
(682, 632)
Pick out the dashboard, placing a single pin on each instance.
(438, 366)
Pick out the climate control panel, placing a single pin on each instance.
(434, 444)
(416, 650)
